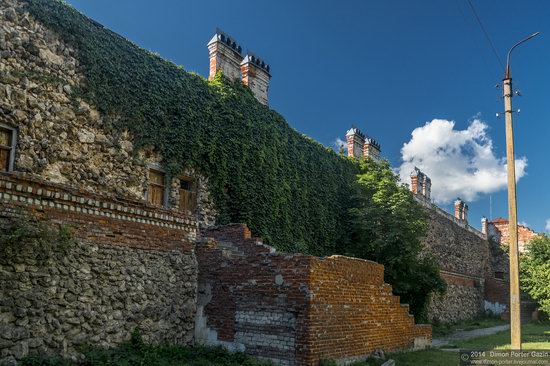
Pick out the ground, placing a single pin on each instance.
(534, 337)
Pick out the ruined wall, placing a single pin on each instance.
(295, 309)
(132, 267)
(60, 137)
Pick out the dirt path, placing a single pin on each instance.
(467, 334)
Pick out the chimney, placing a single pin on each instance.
(418, 182)
(225, 56)
(371, 149)
(460, 206)
(427, 189)
(255, 74)
(356, 142)
(484, 225)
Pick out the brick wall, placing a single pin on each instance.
(132, 267)
(292, 308)
(99, 218)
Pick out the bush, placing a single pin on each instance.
(24, 235)
(535, 271)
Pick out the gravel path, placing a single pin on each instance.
(467, 334)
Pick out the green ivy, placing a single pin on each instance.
(289, 189)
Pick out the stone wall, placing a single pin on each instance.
(466, 260)
(295, 309)
(60, 137)
(132, 267)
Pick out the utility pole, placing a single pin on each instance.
(515, 308)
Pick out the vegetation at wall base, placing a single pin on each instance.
(137, 352)
(535, 271)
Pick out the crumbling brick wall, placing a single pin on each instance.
(292, 308)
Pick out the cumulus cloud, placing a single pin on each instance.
(338, 144)
(523, 223)
(547, 225)
(460, 163)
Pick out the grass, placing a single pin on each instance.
(534, 337)
(137, 353)
(441, 330)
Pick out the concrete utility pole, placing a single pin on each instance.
(515, 318)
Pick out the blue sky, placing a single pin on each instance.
(388, 67)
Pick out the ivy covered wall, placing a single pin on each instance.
(289, 189)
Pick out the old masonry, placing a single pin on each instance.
(148, 255)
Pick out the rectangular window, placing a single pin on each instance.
(157, 186)
(7, 149)
(499, 275)
(188, 194)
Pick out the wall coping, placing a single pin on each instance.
(463, 224)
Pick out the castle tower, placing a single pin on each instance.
(371, 149)
(255, 74)
(225, 56)
(356, 142)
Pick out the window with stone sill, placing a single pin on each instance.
(157, 187)
(188, 194)
(499, 275)
(7, 148)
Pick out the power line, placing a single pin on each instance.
(486, 34)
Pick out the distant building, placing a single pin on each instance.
(497, 229)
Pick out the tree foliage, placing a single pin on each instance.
(387, 227)
(535, 271)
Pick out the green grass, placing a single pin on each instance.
(441, 330)
(534, 336)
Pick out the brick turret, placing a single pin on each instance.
(421, 184)
(255, 74)
(225, 56)
(371, 148)
(461, 210)
(356, 142)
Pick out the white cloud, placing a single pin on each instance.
(547, 228)
(338, 144)
(460, 163)
(523, 223)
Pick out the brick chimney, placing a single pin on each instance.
(356, 142)
(461, 210)
(371, 149)
(225, 56)
(418, 182)
(255, 74)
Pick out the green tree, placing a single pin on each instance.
(387, 226)
(535, 271)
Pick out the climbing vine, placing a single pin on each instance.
(289, 189)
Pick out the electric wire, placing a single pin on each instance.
(486, 34)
